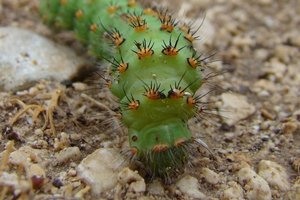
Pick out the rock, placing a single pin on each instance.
(24, 156)
(274, 174)
(78, 86)
(266, 114)
(265, 2)
(26, 57)
(294, 192)
(233, 192)
(262, 85)
(35, 170)
(290, 127)
(62, 141)
(14, 181)
(135, 181)
(261, 54)
(295, 40)
(100, 170)
(276, 68)
(67, 154)
(210, 176)
(254, 185)
(28, 157)
(283, 53)
(235, 108)
(189, 186)
(155, 188)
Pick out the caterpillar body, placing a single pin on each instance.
(155, 73)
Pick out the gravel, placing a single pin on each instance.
(255, 150)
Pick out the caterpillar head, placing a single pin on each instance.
(161, 146)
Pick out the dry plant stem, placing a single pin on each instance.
(38, 109)
(102, 106)
(25, 109)
(3, 192)
(4, 162)
(5, 156)
(49, 112)
(82, 192)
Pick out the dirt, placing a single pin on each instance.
(257, 45)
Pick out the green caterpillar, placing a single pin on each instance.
(155, 73)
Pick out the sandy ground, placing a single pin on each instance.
(258, 44)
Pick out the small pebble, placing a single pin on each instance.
(135, 181)
(23, 156)
(294, 192)
(189, 186)
(233, 192)
(78, 86)
(67, 154)
(235, 107)
(266, 114)
(210, 176)
(155, 188)
(37, 182)
(262, 85)
(274, 174)
(290, 127)
(57, 183)
(72, 172)
(13, 181)
(254, 185)
(100, 169)
(35, 170)
(62, 142)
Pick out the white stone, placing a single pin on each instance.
(14, 181)
(26, 57)
(189, 186)
(235, 107)
(29, 159)
(139, 186)
(127, 175)
(100, 170)
(233, 192)
(78, 86)
(276, 68)
(135, 181)
(263, 84)
(67, 154)
(254, 185)
(210, 176)
(155, 188)
(294, 192)
(274, 174)
(35, 170)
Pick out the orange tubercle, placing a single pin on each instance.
(150, 11)
(123, 67)
(112, 9)
(93, 27)
(79, 14)
(131, 3)
(63, 2)
(191, 101)
(134, 105)
(179, 142)
(192, 62)
(160, 148)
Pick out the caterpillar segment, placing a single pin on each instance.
(155, 73)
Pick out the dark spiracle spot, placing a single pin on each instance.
(134, 138)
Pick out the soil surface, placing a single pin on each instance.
(253, 130)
